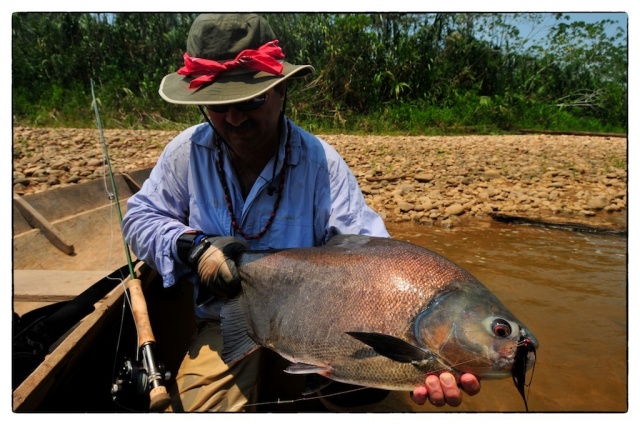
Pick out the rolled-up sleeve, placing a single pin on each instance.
(349, 213)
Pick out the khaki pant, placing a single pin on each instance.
(205, 383)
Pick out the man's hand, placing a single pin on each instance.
(443, 389)
(214, 258)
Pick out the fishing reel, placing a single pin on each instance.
(134, 382)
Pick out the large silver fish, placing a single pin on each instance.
(373, 312)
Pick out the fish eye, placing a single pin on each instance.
(501, 328)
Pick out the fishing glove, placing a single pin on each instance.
(214, 259)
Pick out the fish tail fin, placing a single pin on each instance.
(236, 342)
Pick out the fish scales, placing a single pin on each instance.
(302, 302)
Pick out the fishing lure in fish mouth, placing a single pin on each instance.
(519, 369)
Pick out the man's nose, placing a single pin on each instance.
(235, 117)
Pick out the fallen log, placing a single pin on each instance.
(573, 224)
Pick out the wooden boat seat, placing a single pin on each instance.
(36, 288)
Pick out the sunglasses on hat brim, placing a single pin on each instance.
(247, 106)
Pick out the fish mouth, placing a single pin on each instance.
(503, 364)
(501, 367)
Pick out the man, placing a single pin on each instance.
(247, 178)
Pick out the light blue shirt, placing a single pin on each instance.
(320, 198)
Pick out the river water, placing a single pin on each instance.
(569, 288)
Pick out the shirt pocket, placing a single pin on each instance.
(290, 231)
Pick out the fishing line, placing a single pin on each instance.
(111, 196)
(277, 402)
(267, 403)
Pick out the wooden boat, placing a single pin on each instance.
(68, 258)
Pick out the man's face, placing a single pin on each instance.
(250, 129)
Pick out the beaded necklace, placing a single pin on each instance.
(227, 194)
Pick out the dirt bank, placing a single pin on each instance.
(430, 180)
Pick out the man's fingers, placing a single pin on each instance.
(434, 389)
(444, 389)
(452, 394)
(470, 384)
(419, 395)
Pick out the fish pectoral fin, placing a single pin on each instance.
(303, 368)
(236, 342)
(392, 347)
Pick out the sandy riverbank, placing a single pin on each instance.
(433, 180)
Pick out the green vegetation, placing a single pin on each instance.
(617, 162)
(386, 73)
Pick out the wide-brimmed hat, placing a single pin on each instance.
(230, 58)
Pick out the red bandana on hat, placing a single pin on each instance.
(265, 58)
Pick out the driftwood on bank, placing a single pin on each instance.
(572, 224)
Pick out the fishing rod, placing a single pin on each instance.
(158, 396)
